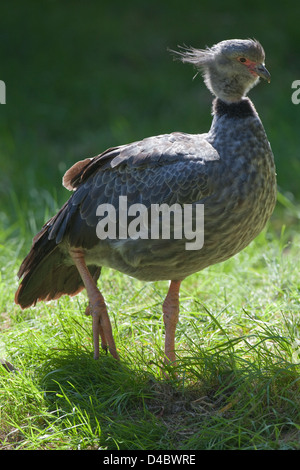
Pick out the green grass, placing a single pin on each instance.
(238, 347)
(80, 79)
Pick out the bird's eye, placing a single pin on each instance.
(242, 59)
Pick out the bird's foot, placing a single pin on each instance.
(88, 310)
(102, 328)
(104, 346)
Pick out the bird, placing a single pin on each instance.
(229, 171)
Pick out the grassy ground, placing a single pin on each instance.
(80, 79)
(238, 362)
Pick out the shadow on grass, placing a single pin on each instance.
(115, 405)
(106, 398)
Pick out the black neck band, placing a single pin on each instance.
(241, 109)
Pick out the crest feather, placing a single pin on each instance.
(191, 55)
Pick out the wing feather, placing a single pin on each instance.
(168, 169)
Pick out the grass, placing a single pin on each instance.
(238, 339)
(238, 362)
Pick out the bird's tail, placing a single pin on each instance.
(45, 273)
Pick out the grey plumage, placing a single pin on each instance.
(230, 170)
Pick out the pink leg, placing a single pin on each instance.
(171, 313)
(89, 311)
(101, 322)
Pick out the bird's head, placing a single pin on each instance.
(230, 68)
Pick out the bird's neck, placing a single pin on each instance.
(240, 109)
(229, 87)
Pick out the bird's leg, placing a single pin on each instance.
(101, 322)
(171, 313)
(104, 346)
(89, 311)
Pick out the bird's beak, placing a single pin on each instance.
(262, 72)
